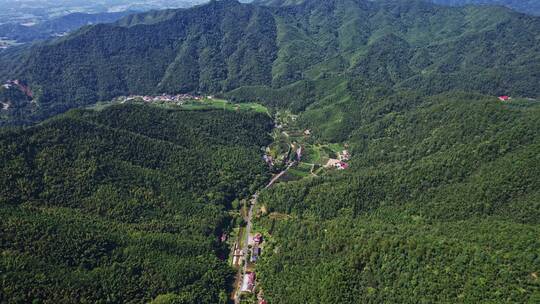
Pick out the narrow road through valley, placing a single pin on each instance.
(247, 232)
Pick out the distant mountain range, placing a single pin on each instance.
(524, 6)
(226, 46)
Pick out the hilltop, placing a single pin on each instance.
(525, 6)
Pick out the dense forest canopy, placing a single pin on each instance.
(525, 6)
(226, 45)
(124, 204)
(441, 205)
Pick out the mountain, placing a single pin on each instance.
(125, 204)
(525, 6)
(225, 45)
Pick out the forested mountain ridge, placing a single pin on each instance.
(125, 204)
(437, 200)
(225, 45)
(524, 6)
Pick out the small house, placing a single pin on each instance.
(248, 282)
(255, 253)
(342, 165)
(257, 239)
(504, 98)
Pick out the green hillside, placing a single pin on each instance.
(225, 45)
(123, 201)
(525, 6)
(125, 204)
(441, 205)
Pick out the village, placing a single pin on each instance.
(246, 250)
(191, 102)
(311, 157)
(178, 99)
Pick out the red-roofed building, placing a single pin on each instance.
(248, 282)
(504, 98)
(342, 166)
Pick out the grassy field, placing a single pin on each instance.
(320, 153)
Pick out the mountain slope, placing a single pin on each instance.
(440, 205)
(124, 204)
(226, 45)
(525, 6)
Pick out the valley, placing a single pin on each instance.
(282, 152)
(287, 165)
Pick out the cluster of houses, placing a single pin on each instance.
(255, 242)
(248, 281)
(164, 98)
(341, 162)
